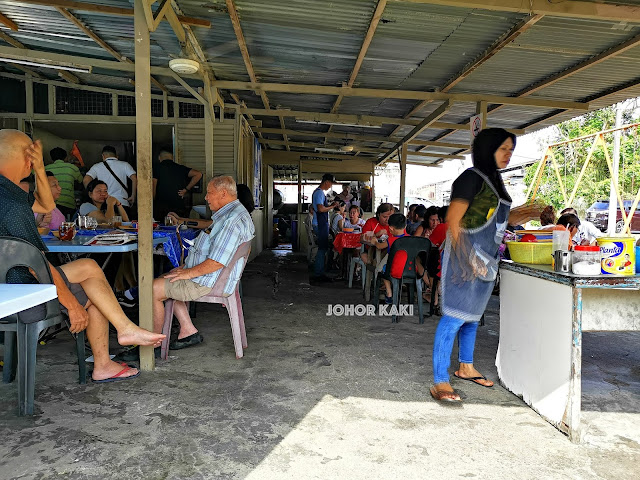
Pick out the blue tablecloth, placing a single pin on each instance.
(171, 246)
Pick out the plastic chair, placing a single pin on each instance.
(412, 246)
(433, 270)
(233, 303)
(352, 268)
(311, 238)
(19, 253)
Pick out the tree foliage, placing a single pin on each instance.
(570, 157)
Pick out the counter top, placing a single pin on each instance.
(580, 281)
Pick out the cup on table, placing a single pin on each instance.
(67, 231)
(368, 236)
(82, 221)
(168, 221)
(116, 221)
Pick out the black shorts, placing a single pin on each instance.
(37, 313)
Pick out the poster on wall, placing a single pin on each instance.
(257, 172)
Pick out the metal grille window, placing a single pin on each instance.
(126, 106)
(156, 107)
(40, 98)
(191, 110)
(82, 102)
(170, 109)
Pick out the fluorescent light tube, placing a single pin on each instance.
(71, 68)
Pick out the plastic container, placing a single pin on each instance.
(637, 259)
(560, 240)
(586, 260)
(618, 255)
(536, 253)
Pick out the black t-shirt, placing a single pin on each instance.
(471, 187)
(171, 177)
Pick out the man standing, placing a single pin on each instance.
(114, 173)
(210, 253)
(171, 183)
(320, 223)
(83, 292)
(68, 175)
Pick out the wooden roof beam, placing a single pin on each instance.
(401, 94)
(64, 74)
(109, 10)
(373, 24)
(568, 9)
(364, 120)
(91, 34)
(432, 118)
(357, 138)
(7, 22)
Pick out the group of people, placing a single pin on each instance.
(85, 295)
(110, 187)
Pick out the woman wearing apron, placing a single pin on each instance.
(477, 217)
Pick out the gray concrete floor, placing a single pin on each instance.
(315, 397)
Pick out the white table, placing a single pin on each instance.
(15, 298)
(542, 316)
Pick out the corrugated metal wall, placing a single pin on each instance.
(190, 149)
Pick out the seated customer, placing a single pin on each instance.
(83, 292)
(570, 222)
(337, 220)
(429, 223)
(231, 226)
(101, 205)
(54, 218)
(354, 221)
(397, 223)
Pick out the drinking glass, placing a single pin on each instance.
(67, 231)
(168, 221)
(116, 221)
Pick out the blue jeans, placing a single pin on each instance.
(322, 233)
(443, 345)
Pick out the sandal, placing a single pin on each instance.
(476, 380)
(442, 396)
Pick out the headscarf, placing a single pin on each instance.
(483, 149)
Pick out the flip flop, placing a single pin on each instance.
(118, 376)
(442, 396)
(185, 342)
(475, 380)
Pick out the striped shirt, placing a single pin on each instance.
(67, 174)
(232, 225)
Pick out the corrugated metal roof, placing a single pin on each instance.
(416, 46)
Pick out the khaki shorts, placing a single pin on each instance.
(185, 290)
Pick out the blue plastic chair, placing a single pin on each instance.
(19, 253)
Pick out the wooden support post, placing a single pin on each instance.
(51, 97)
(208, 146)
(143, 155)
(28, 85)
(403, 177)
(481, 109)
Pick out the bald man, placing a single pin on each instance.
(83, 292)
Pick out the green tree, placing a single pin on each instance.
(571, 157)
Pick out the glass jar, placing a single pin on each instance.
(586, 260)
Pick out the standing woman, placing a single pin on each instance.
(477, 218)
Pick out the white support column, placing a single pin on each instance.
(209, 123)
(28, 87)
(145, 197)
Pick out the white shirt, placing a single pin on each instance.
(122, 169)
(586, 231)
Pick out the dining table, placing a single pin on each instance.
(16, 297)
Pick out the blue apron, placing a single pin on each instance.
(468, 300)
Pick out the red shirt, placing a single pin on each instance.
(400, 259)
(373, 225)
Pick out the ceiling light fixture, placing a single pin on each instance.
(184, 66)
(70, 67)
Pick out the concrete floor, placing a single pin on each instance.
(315, 397)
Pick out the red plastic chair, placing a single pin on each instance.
(233, 303)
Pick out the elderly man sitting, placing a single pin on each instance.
(83, 292)
(210, 253)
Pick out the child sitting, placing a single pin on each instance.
(397, 223)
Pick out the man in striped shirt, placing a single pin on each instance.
(210, 253)
(67, 174)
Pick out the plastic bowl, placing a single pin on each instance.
(348, 230)
(43, 231)
(535, 253)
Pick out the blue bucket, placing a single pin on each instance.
(637, 259)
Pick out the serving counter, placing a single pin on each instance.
(542, 316)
